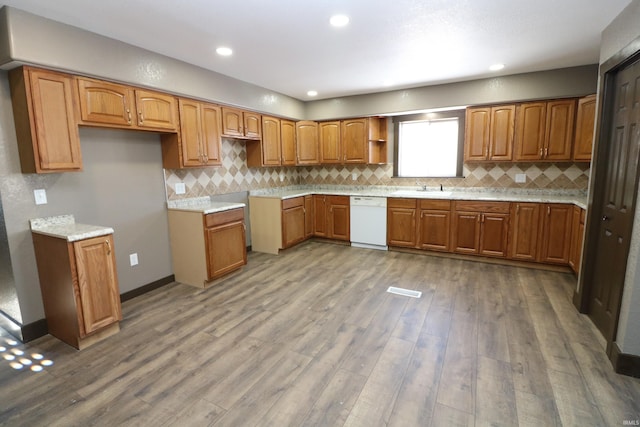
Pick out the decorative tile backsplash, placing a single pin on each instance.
(234, 176)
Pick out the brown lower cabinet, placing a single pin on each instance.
(206, 246)
(549, 233)
(331, 217)
(79, 288)
(480, 228)
(556, 233)
(293, 221)
(422, 224)
(577, 237)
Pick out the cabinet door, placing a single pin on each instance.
(354, 141)
(476, 135)
(494, 234)
(293, 226)
(320, 216)
(585, 121)
(329, 140)
(252, 125)
(401, 222)
(556, 234)
(190, 128)
(339, 226)
(561, 116)
(106, 103)
(530, 131)
(525, 228)
(226, 248)
(577, 230)
(288, 142)
(307, 143)
(232, 122)
(97, 282)
(156, 110)
(270, 141)
(501, 133)
(435, 230)
(466, 232)
(308, 216)
(47, 133)
(211, 141)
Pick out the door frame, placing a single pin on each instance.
(604, 115)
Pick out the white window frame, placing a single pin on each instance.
(430, 117)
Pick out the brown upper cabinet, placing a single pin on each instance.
(489, 133)
(544, 130)
(330, 142)
(108, 104)
(288, 142)
(266, 151)
(307, 143)
(241, 124)
(43, 111)
(198, 143)
(585, 121)
(355, 141)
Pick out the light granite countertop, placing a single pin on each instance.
(577, 198)
(203, 205)
(65, 227)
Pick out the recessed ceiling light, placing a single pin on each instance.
(339, 20)
(312, 93)
(224, 51)
(496, 67)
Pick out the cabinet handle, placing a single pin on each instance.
(486, 152)
(108, 247)
(141, 117)
(548, 210)
(540, 152)
(518, 210)
(546, 152)
(129, 116)
(206, 158)
(479, 218)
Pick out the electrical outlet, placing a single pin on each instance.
(354, 176)
(40, 196)
(180, 188)
(521, 178)
(281, 177)
(133, 259)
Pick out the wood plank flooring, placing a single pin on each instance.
(312, 338)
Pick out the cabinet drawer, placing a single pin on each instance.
(439, 205)
(402, 203)
(498, 207)
(292, 203)
(218, 218)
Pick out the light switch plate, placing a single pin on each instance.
(40, 196)
(133, 259)
(180, 188)
(521, 178)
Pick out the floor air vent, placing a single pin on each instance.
(404, 292)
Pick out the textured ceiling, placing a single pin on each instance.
(288, 45)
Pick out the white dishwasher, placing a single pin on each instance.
(368, 222)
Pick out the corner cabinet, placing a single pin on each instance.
(206, 246)
(107, 104)
(199, 142)
(43, 112)
(279, 223)
(79, 288)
